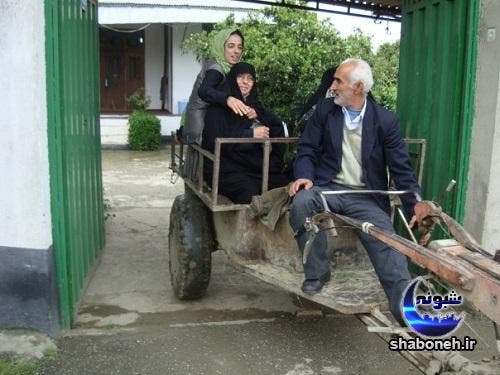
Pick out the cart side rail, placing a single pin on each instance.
(196, 183)
(212, 198)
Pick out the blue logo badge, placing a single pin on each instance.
(428, 315)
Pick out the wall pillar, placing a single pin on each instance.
(482, 210)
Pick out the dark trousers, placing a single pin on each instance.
(390, 265)
(240, 187)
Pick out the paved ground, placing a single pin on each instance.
(129, 322)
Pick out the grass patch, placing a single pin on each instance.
(50, 353)
(13, 367)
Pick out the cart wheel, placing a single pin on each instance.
(191, 242)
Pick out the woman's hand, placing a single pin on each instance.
(251, 114)
(261, 132)
(301, 183)
(237, 106)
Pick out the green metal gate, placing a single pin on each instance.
(436, 90)
(74, 144)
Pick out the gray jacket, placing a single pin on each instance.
(194, 115)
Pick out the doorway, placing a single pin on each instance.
(122, 68)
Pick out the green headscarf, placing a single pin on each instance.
(217, 48)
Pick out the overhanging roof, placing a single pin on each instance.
(137, 12)
(378, 9)
(211, 11)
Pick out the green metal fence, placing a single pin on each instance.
(436, 90)
(72, 57)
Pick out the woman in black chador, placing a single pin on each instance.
(240, 175)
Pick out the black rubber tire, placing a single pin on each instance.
(190, 243)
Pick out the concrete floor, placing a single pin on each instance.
(129, 321)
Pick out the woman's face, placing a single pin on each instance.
(245, 82)
(233, 49)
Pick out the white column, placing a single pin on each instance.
(25, 219)
(482, 215)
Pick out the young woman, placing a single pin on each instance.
(210, 86)
(240, 175)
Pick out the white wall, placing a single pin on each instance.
(114, 128)
(154, 54)
(184, 66)
(25, 219)
(491, 230)
(482, 210)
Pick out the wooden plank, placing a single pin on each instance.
(350, 291)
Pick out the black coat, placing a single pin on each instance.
(245, 158)
(213, 89)
(221, 121)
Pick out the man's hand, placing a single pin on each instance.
(237, 106)
(301, 183)
(425, 211)
(261, 132)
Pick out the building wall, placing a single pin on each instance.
(28, 292)
(114, 129)
(483, 196)
(25, 219)
(184, 66)
(154, 54)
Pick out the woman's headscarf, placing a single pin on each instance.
(236, 70)
(263, 115)
(217, 48)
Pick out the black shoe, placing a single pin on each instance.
(312, 286)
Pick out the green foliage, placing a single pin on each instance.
(291, 49)
(138, 101)
(385, 72)
(199, 43)
(144, 131)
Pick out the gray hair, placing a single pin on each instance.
(360, 73)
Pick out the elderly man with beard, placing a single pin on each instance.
(350, 142)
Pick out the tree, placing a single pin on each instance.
(385, 72)
(290, 50)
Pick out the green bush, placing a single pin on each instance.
(143, 131)
(138, 101)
